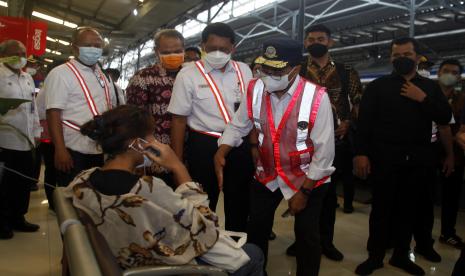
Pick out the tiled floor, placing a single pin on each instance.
(39, 253)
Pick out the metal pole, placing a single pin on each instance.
(412, 18)
(301, 21)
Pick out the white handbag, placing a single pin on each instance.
(227, 254)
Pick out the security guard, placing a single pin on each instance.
(205, 96)
(295, 149)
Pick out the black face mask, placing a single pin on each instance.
(317, 50)
(403, 65)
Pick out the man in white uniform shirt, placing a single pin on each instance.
(15, 148)
(294, 153)
(206, 94)
(76, 92)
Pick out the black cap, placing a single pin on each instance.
(280, 52)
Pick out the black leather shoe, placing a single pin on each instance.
(292, 250)
(332, 253)
(348, 209)
(368, 266)
(430, 254)
(24, 226)
(407, 265)
(272, 236)
(5, 232)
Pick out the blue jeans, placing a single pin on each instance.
(253, 268)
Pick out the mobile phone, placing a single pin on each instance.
(140, 144)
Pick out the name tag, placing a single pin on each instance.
(203, 86)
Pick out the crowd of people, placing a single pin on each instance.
(147, 164)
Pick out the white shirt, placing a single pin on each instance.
(193, 98)
(322, 136)
(24, 117)
(63, 91)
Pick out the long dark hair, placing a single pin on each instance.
(113, 129)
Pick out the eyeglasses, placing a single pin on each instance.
(274, 74)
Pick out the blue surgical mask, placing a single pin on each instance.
(89, 55)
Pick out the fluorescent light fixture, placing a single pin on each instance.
(53, 52)
(3, 4)
(420, 23)
(66, 43)
(54, 19)
(135, 12)
(71, 57)
(141, 1)
(48, 60)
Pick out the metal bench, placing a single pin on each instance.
(86, 252)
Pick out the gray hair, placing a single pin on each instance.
(167, 33)
(5, 45)
(80, 30)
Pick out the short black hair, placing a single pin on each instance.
(452, 61)
(193, 49)
(405, 40)
(219, 29)
(318, 28)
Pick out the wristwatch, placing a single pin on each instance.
(305, 191)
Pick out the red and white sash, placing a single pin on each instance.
(88, 96)
(216, 92)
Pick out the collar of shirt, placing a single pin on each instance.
(317, 66)
(83, 67)
(7, 72)
(395, 75)
(291, 89)
(208, 67)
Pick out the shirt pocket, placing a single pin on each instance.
(204, 92)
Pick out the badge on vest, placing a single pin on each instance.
(302, 125)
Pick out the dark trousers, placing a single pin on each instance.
(237, 176)
(47, 152)
(263, 204)
(451, 191)
(81, 162)
(344, 172)
(459, 268)
(396, 193)
(15, 189)
(424, 217)
(343, 164)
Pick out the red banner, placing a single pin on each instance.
(33, 34)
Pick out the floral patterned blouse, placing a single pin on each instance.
(150, 89)
(151, 224)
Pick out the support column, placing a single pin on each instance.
(301, 21)
(412, 18)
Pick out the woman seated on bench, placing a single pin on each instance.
(143, 220)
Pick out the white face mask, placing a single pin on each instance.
(424, 73)
(217, 59)
(448, 79)
(18, 64)
(273, 85)
(31, 71)
(135, 145)
(89, 55)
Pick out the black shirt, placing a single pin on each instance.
(394, 127)
(113, 182)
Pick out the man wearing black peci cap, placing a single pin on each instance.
(294, 149)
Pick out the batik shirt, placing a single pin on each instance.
(151, 224)
(150, 89)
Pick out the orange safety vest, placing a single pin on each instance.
(285, 151)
